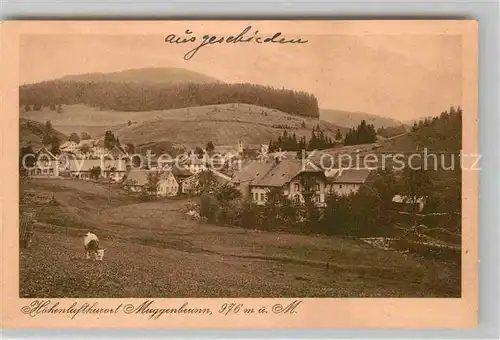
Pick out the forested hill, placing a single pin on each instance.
(130, 96)
(440, 133)
(165, 75)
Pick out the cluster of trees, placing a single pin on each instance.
(110, 140)
(50, 139)
(38, 107)
(74, 138)
(142, 97)
(366, 213)
(442, 134)
(319, 140)
(391, 131)
(453, 113)
(363, 134)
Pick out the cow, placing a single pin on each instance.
(91, 244)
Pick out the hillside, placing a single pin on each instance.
(352, 119)
(169, 75)
(441, 134)
(222, 124)
(148, 90)
(82, 118)
(32, 132)
(225, 124)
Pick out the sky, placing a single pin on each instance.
(399, 76)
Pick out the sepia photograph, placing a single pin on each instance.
(245, 162)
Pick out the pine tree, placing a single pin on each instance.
(338, 135)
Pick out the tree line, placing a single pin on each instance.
(369, 212)
(391, 131)
(147, 97)
(363, 134)
(452, 114)
(319, 140)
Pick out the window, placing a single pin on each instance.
(297, 187)
(255, 196)
(340, 186)
(261, 197)
(317, 187)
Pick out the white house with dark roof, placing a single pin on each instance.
(346, 181)
(46, 164)
(167, 184)
(293, 177)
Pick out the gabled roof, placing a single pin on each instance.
(332, 173)
(89, 142)
(139, 176)
(99, 143)
(116, 152)
(285, 171)
(252, 171)
(181, 171)
(220, 175)
(165, 175)
(44, 150)
(352, 176)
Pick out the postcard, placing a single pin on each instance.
(239, 174)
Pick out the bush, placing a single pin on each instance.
(209, 207)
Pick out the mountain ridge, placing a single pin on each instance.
(352, 119)
(155, 75)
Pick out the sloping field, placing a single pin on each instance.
(154, 250)
(195, 126)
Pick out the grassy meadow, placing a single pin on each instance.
(153, 249)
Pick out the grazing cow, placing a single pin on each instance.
(91, 244)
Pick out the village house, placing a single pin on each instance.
(293, 177)
(406, 204)
(345, 182)
(136, 180)
(251, 172)
(193, 164)
(189, 185)
(116, 153)
(167, 184)
(112, 170)
(186, 179)
(98, 149)
(84, 148)
(46, 164)
(68, 146)
(90, 149)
